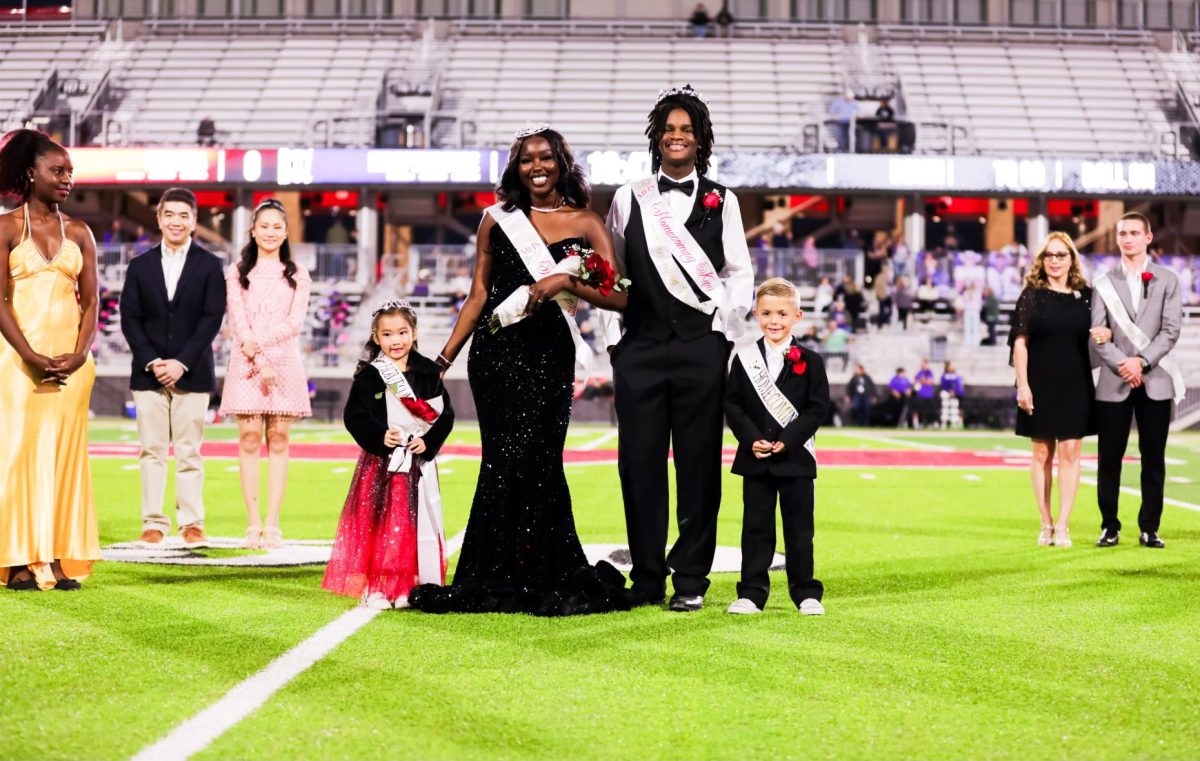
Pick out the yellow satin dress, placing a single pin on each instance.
(47, 512)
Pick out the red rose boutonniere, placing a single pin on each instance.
(796, 358)
(1146, 278)
(711, 200)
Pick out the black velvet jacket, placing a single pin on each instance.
(365, 415)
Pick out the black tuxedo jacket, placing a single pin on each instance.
(182, 328)
(749, 420)
(365, 414)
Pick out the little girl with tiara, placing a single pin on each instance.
(390, 535)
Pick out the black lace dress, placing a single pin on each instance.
(1060, 373)
(521, 553)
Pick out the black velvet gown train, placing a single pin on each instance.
(521, 553)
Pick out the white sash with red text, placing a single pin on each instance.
(540, 263)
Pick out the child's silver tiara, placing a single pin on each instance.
(530, 128)
(687, 90)
(391, 304)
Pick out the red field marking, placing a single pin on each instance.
(835, 458)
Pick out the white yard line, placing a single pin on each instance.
(599, 441)
(898, 441)
(1137, 493)
(200, 731)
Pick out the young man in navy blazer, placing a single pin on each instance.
(776, 397)
(172, 305)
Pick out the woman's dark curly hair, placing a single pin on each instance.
(19, 150)
(701, 126)
(572, 183)
(250, 252)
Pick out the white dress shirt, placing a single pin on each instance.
(1134, 280)
(775, 357)
(737, 275)
(172, 263)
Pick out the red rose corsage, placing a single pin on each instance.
(1146, 278)
(796, 358)
(711, 200)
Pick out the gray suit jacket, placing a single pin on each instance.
(1159, 315)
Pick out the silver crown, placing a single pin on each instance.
(390, 304)
(687, 90)
(530, 128)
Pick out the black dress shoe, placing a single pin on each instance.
(23, 585)
(686, 603)
(1150, 539)
(67, 585)
(1108, 538)
(639, 599)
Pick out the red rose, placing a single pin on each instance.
(793, 354)
(420, 408)
(712, 199)
(799, 367)
(1147, 277)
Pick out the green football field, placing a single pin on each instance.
(948, 635)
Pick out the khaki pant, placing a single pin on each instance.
(166, 418)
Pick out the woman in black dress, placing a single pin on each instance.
(521, 553)
(1049, 341)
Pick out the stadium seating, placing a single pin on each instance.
(27, 59)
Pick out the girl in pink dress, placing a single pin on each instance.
(265, 385)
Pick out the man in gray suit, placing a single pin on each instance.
(1141, 303)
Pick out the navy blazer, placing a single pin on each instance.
(182, 328)
(749, 420)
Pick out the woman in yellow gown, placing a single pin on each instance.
(48, 536)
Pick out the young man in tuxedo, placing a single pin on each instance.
(1141, 303)
(776, 397)
(172, 304)
(679, 237)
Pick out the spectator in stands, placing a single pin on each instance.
(901, 256)
(860, 396)
(265, 385)
(172, 305)
(900, 390)
(837, 338)
(924, 403)
(991, 315)
(877, 257)
(810, 340)
(852, 241)
(904, 299)
(972, 307)
(852, 297)
(1051, 357)
(206, 133)
(781, 245)
(823, 297)
(842, 112)
(883, 299)
(951, 394)
(927, 296)
(700, 21)
(115, 234)
(810, 254)
(143, 238)
(885, 127)
(725, 21)
(48, 535)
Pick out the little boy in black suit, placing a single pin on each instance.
(776, 398)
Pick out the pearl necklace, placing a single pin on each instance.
(548, 211)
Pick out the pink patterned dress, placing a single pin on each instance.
(271, 314)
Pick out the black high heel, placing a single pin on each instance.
(64, 584)
(21, 585)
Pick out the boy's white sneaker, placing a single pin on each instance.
(376, 601)
(743, 607)
(811, 607)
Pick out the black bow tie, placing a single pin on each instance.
(666, 183)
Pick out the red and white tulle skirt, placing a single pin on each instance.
(376, 545)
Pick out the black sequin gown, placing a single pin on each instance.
(521, 553)
(1060, 373)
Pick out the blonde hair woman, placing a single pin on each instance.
(1049, 341)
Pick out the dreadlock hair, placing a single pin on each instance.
(701, 127)
(19, 151)
(372, 349)
(249, 255)
(572, 185)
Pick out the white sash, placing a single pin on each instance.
(1116, 308)
(672, 247)
(431, 542)
(540, 263)
(778, 405)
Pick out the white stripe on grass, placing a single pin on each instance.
(899, 442)
(200, 731)
(599, 441)
(1137, 493)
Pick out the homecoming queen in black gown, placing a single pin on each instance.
(521, 553)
